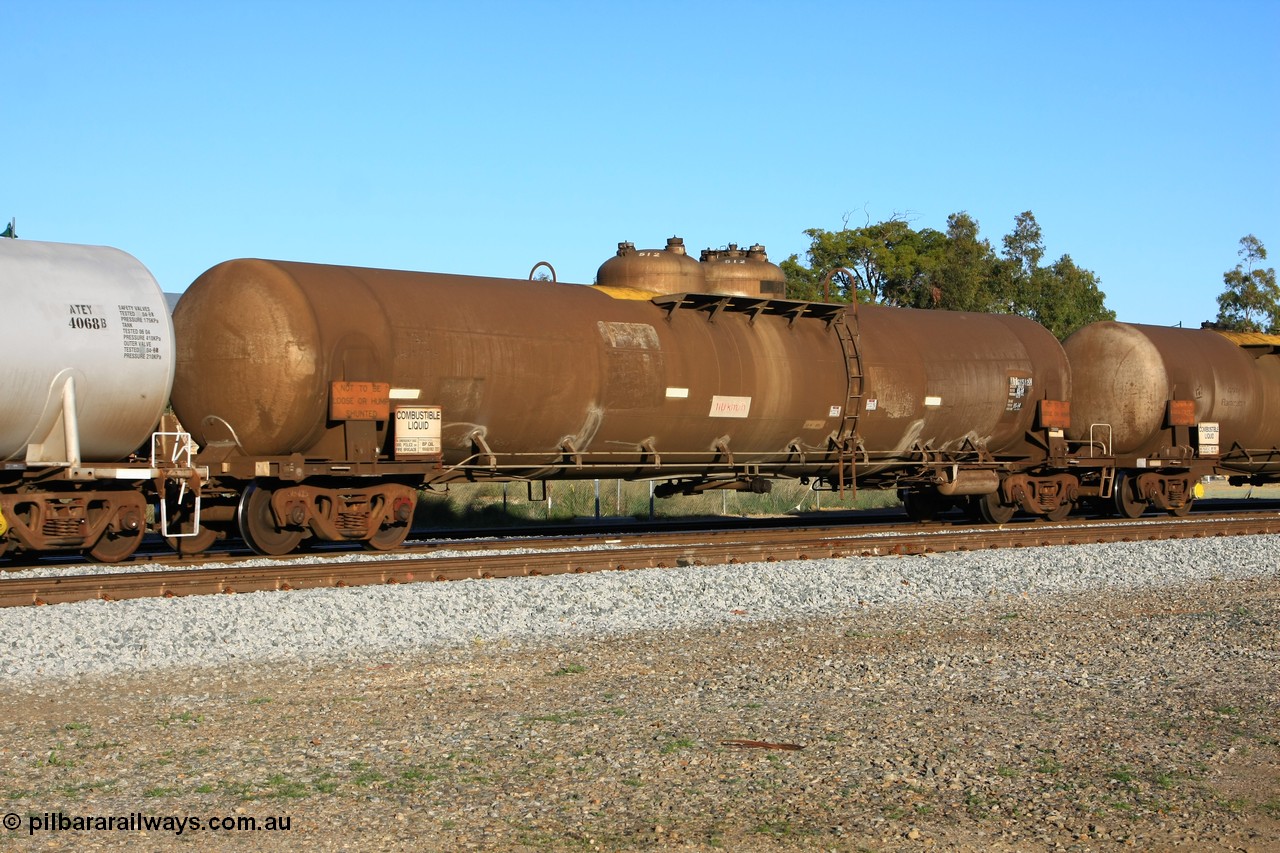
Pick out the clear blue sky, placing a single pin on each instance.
(483, 137)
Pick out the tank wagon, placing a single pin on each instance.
(323, 396)
(88, 355)
(1165, 406)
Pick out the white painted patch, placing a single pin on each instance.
(730, 407)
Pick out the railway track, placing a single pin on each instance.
(610, 552)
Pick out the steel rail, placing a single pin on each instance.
(739, 546)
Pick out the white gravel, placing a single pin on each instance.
(313, 626)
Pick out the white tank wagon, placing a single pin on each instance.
(89, 360)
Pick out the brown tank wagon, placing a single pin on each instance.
(1168, 405)
(296, 379)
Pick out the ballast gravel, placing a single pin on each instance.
(1108, 697)
(103, 638)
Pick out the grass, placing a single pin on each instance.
(571, 669)
(676, 745)
(282, 786)
(185, 717)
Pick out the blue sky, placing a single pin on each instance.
(483, 137)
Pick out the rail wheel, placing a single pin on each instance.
(991, 510)
(116, 544)
(258, 525)
(1128, 504)
(1059, 512)
(1182, 511)
(922, 505)
(189, 546)
(387, 538)
(112, 547)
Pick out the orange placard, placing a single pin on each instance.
(1055, 414)
(360, 401)
(1182, 413)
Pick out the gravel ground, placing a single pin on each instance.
(1063, 698)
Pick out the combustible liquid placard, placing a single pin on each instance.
(418, 432)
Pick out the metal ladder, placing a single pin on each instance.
(847, 331)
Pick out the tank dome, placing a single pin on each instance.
(743, 272)
(658, 271)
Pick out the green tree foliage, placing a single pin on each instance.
(1251, 300)
(966, 269)
(957, 270)
(1065, 298)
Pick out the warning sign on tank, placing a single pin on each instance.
(360, 401)
(1208, 437)
(418, 432)
(140, 329)
(1019, 391)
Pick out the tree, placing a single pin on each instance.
(1251, 300)
(1061, 297)
(1067, 298)
(966, 268)
(889, 262)
(894, 264)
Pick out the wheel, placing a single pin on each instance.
(1059, 512)
(387, 538)
(1182, 511)
(991, 510)
(258, 526)
(116, 545)
(188, 546)
(921, 505)
(1127, 502)
(113, 547)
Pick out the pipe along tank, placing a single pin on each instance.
(299, 379)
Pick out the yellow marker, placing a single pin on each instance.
(4, 524)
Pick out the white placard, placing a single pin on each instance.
(418, 432)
